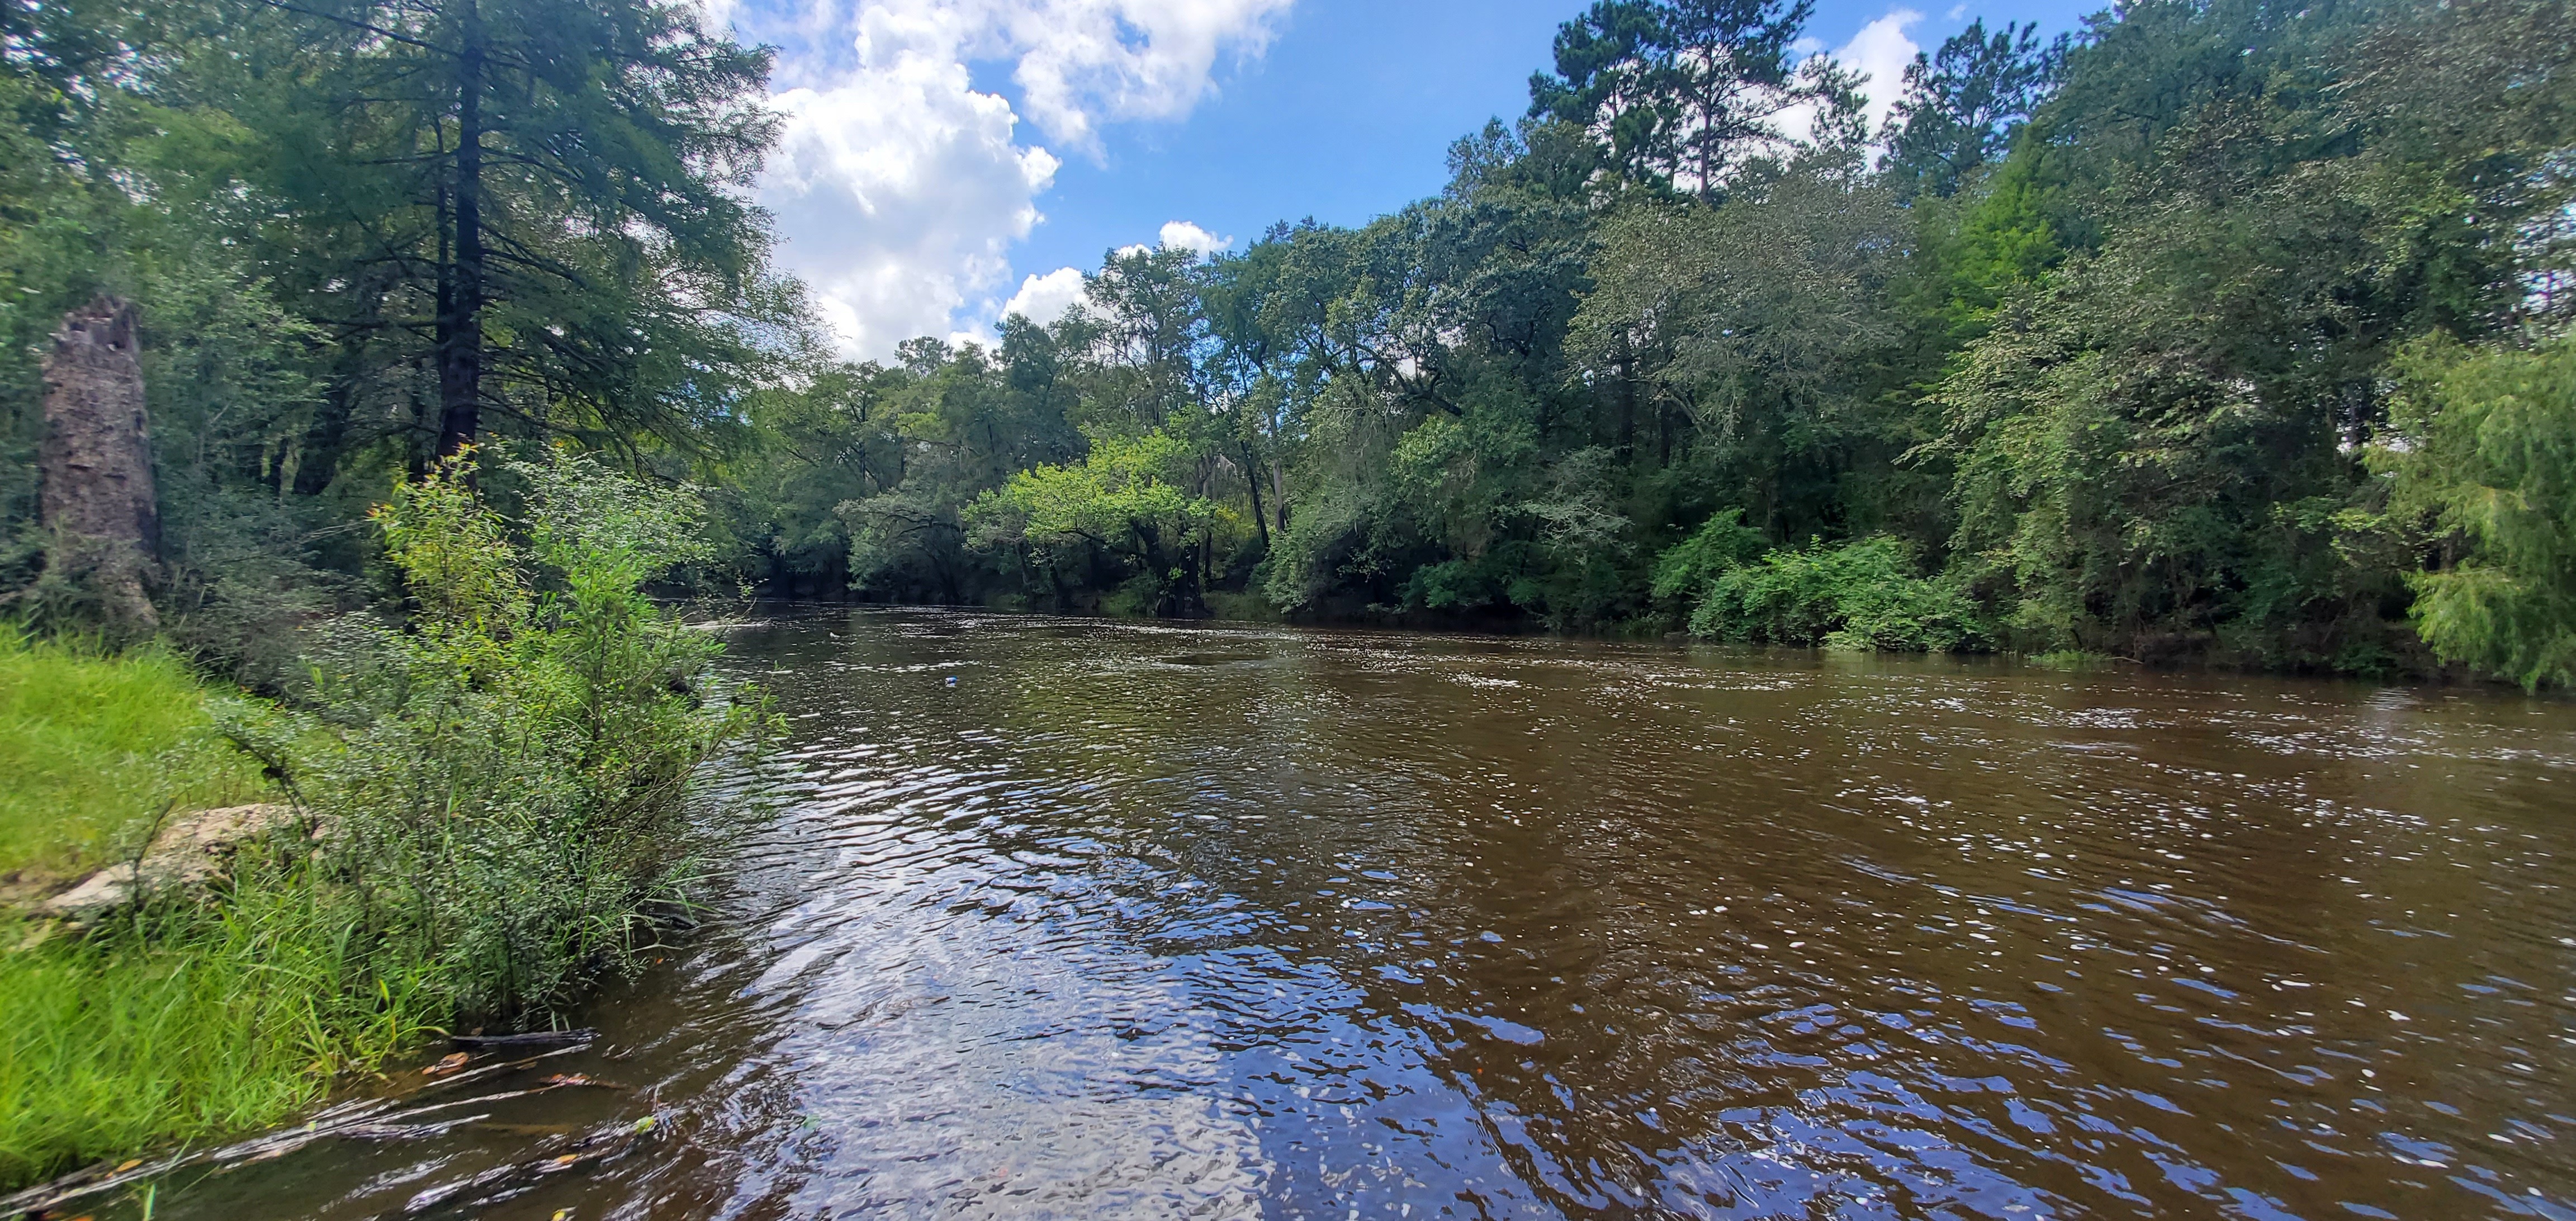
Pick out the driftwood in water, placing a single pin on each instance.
(537, 1038)
(98, 500)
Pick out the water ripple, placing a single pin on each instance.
(1144, 920)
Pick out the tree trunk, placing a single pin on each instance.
(460, 325)
(1627, 403)
(1252, 479)
(96, 465)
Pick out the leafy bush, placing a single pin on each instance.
(504, 776)
(1721, 543)
(1861, 595)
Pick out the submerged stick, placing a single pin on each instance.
(534, 1038)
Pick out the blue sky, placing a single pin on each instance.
(945, 159)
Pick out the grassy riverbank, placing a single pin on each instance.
(95, 746)
(495, 793)
(173, 1024)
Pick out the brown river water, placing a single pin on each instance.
(1143, 920)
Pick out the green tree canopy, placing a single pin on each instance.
(1690, 93)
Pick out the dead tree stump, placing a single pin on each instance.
(99, 505)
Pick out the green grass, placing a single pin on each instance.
(125, 1046)
(186, 1023)
(95, 746)
(179, 1024)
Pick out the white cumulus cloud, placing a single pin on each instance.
(1185, 235)
(1181, 235)
(1879, 53)
(899, 187)
(1043, 299)
(897, 197)
(1083, 61)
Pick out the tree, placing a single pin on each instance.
(2483, 445)
(1963, 104)
(963, 422)
(99, 504)
(1153, 341)
(1688, 93)
(1754, 326)
(282, 191)
(2159, 447)
(523, 207)
(1121, 500)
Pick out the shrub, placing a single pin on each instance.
(504, 775)
(499, 787)
(1860, 595)
(1721, 543)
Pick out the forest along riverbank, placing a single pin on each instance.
(1141, 920)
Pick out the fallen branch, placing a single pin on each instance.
(534, 1038)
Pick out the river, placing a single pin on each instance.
(1152, 920)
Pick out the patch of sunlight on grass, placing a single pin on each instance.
(95, 746)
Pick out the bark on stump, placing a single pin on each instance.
(99, 503)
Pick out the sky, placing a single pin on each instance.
(944, 162)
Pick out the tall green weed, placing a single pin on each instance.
(503, 776)
(185, 1022)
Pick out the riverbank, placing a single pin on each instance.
(2415, 668)
(503, 784)
(95, 745)
(175, 1022)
